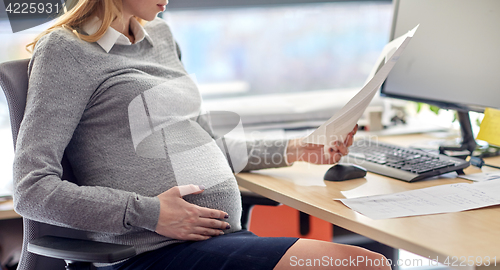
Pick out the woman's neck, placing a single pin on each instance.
(123, 26)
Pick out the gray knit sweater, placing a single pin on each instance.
(94, 106)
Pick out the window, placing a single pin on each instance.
(306, 59)
(281, 49)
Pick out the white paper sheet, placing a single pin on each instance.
(342, 122)
(433, 200)
(480, 177)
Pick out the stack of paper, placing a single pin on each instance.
(433, 200)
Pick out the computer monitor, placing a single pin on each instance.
(453, 61)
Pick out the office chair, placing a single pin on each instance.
(47, 246)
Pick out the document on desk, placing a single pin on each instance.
(342, 122)
(432, 200)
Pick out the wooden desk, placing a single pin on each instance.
(7, 210)
(447, 238)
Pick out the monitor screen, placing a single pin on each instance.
(453, 60)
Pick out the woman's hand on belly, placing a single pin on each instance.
(185, 221)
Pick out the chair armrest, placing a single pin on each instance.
(78, 250)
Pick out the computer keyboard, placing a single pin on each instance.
(399, 162)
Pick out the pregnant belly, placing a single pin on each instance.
(225, 197)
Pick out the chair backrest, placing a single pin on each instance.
(14, 82)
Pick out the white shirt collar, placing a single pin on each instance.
(112, 37)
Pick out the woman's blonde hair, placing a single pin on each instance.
(83, 11)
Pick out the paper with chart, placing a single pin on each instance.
(433, 200)
(342, 122)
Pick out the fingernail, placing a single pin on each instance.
(201, 187)
(226, 216)
(228, 227)
(221, 233)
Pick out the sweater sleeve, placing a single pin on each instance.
(264, 154)
(58, 93)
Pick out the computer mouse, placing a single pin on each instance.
(342, 172)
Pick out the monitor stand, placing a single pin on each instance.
(468, 142)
